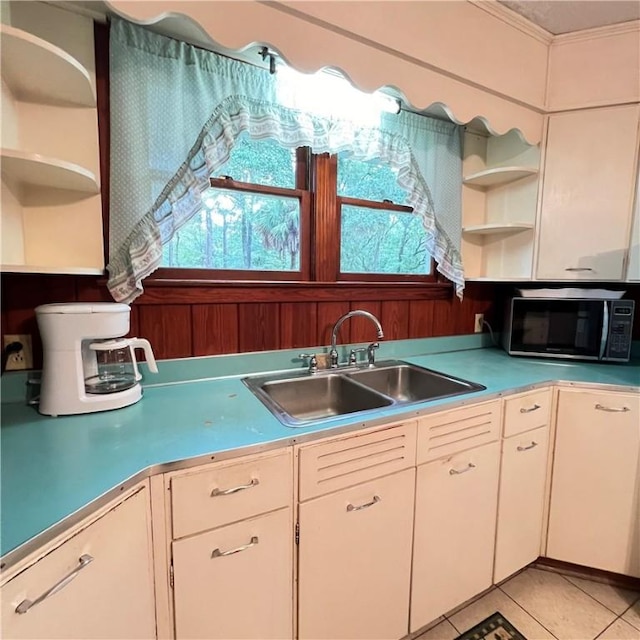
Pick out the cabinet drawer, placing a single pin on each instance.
(228, 492)
(443, 434)
(236, 581)
(111, 595)
(347, 461)
(526, 411)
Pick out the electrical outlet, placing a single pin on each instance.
(22, 359)
(477, 325)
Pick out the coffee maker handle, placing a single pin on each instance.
(142, 343)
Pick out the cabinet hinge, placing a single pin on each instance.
(297, 534)
(171, 574)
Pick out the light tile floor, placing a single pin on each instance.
(546, 605)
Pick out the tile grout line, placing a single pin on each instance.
(598, 601)
(528, 613)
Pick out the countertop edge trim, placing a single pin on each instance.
(13, 557)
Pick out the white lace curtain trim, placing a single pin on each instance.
(141, 253)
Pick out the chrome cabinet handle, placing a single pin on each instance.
(578, 269)
(25, 605)
(216, 553)
(227, 492)
(530, 409)
(529, 446)
(455, 472)
(366, 505)
(601, 407)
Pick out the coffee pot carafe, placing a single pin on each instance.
(87, 363)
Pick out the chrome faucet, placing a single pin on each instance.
(333, 354)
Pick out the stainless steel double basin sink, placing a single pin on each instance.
(302, 398)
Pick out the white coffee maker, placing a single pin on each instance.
(87, 363)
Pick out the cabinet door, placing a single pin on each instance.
(355, 561)
(236, 581)
(111, 595)
(587, 195)
(455, 523)
(521, 501)
(594, 516)
(633, 266)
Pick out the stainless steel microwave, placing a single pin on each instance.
(577, 328)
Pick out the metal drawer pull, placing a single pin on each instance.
(25, 605)
(601, 407)
(530, 409)
(366, 505)
(227, 492)
(578, 269)
(529, 446)
(455, 472)
(216, 553)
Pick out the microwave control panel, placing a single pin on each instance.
(620, 327)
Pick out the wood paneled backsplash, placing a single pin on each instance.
(197, 320)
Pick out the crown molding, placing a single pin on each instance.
(633, 26)
(513, 19)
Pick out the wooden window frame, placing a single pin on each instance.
(320, 232)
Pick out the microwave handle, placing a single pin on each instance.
(605, 330)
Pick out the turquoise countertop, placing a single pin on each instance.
(52, 468)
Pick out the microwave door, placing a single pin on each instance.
(557, 328)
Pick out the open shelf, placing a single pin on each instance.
(38, 71)
(28, 268)
(35, 171)
(497, 228)
(498, 176)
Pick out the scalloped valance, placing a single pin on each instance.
(452, 58)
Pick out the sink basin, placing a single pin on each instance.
(301, 398)
(312, 398)
(408, 383)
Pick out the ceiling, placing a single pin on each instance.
(564, 16)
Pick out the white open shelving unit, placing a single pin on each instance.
(51, 207)
(499, 196)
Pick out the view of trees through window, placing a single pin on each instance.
(247, 230)
(240, 230)
(377, 240)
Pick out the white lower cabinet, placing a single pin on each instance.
(455, 520)
(96, 584)
(594, 517)
(355, 561)
(232, 548)
(521, 501)
(236, 581)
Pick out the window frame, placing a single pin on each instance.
(320, 230)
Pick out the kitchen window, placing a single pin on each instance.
(263, 180)
(255, 221)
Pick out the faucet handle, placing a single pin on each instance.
(313, 361)
(371, 352)
(353, 359)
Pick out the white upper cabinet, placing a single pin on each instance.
(587, 195)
